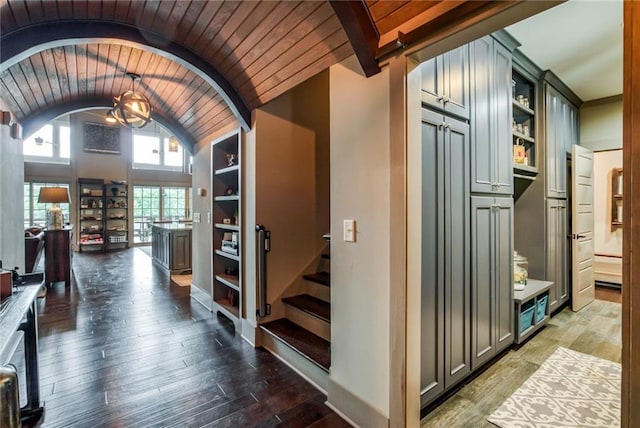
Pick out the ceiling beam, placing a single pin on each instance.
(361, 31)
(37, 120)
(21, 44)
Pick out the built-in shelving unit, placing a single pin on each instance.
(616, 197)
(103, 215)
(523, 93)
(91, 214)
(227, 242)
(116, 216)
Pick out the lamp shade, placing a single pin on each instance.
(53, 195)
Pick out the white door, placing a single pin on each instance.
(583, 288)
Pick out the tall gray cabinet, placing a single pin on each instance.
(492, 277)
(561, 132)
(466, 242)
(445, 322)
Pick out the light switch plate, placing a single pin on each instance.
(349, 231)
(196, 217)
(209, 217)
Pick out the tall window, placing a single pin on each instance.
(158, 203)
(50, 144)
(35, 214)
(152, 149)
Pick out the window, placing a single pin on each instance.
(35, 214)
(151, 150)
(50, 144)
(157, 203)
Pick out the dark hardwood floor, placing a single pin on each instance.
(122, 347)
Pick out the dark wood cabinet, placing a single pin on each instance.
(58, 255)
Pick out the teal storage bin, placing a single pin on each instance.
(541, 308)
(526, 318)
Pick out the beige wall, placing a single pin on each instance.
(201, 233)
(601, 125)
(360, 286)
(607, 240)
(291, 187)
(11, 199)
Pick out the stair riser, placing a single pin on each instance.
(309, 322)
(308, 370)
(320, 291)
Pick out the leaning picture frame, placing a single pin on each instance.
(99, 138)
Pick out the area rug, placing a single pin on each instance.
(182, 280)
(570, 389)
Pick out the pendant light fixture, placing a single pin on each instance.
(131, 109)
(173, 144)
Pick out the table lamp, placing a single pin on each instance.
(54, 195)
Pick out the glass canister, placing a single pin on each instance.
(520, 270)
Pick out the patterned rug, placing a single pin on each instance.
(570, 389)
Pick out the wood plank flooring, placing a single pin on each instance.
(122, 347)
(595, 330)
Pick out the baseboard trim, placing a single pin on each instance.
(201, 297)
(299, 364)
(353, 408)
(248, 332)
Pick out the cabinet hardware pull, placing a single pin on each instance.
(440, 99)
(446, 100)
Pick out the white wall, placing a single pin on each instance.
(11, 200)
(607, 240)
(601, 125)
(360, 285)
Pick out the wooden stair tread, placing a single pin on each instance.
(311, 305)
(323, 278)
(307, 344)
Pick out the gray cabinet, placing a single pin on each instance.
(561, 129)
(556, 246)
(491, 277)
(491, 165)
(445, 82)
(445, 322)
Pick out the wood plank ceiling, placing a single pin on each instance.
(204, 64)
(262, 49)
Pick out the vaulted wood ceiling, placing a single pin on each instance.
(204, 64)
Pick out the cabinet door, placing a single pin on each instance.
(551, 120)
(562, 267)
(180, 250)
(432, 287)
(556, 252)
(455, 235)
(432, 73)
(501, 129)
(482, 272)
(503, 239)
(456, 82)
(482, 155)
(491, 165)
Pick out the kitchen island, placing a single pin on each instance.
(171, 246)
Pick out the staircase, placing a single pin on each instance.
(302, 337)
